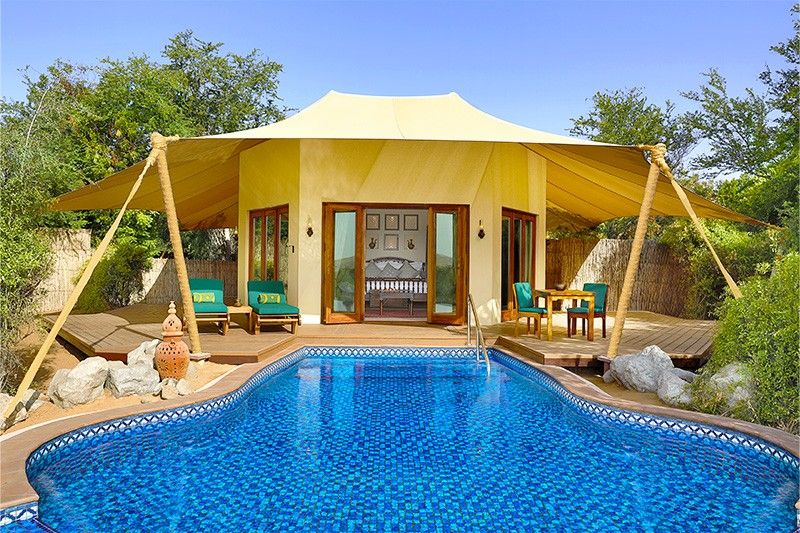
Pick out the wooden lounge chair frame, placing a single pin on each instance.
(257, 320)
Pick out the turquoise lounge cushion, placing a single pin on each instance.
(210, 307)
(275, 309)
(583, 310)
(534, 310)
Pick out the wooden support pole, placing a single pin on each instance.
(159, 141)
(636, 249)
(76, 292)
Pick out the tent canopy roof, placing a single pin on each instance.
(587, 182)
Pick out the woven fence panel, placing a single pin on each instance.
(71, 250)
(161, 282)
(661, 283)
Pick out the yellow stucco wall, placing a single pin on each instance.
(306, 173)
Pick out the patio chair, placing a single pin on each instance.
(207, 300)
(268, 300)
(600, 291)
(525, 306)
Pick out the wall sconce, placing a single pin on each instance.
(372, 243)
(410, 244)
(481, 233)
(309, 229)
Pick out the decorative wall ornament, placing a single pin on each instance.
(481, 233)
(373, 221)
(372, 243)
(410, 222)
(391, 241)
(410, 244)
(391, 222)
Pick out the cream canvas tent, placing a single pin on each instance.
(587, 182)
(419, 151)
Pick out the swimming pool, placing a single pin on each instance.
(350, 439)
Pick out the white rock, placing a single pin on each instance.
(22, 412)
(148, 398)
(734, 383)
(32, 400)
(183, 387)
(608, 377)
(169, 389)
(144, 354)
(81, 385)
(641, 371)
(192, 371)
(672, 390)
(685, 375)
(129, 380)
(58, 377)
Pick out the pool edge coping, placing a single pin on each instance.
(18, 446)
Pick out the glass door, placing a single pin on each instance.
(447, 259)
(517, 254)
(343, 263)
(269, 236)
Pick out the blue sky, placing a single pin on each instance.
(534, 63)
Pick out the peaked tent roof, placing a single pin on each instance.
(587, 182)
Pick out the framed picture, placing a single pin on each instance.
(410, 222)
(373, 221)
(391, 222)
(391, 241)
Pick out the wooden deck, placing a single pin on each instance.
(113, 334)
(688, 342)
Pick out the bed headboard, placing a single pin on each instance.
(396, 273)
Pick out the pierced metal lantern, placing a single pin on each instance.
(172, 354)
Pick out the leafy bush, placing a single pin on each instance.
(744, 254)
(118, 279)
(761, 331)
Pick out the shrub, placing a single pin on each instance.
(118, 279)
(761, 331)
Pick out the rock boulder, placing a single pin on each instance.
(734, 383)
(144, 354)
(129, 380)
(80, 385)
(641, 371)
(672, 390)
(685, 375)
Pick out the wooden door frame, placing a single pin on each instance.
(516, 214)
(328, 316)
(462, 263)
(277, 211)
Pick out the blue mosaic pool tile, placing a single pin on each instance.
(408, 439)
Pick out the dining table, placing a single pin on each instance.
(550, 295)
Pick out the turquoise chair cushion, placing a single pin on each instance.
(534, 310)
(207, 285)
(207, 307)
(275, 309)
(524, 294)
(260, 286)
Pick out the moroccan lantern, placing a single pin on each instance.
(172, 354)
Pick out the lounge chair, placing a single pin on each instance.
(600, 291)
(525, 306)
(207, 299)
(268, 300)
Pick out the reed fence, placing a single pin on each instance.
(661, 283)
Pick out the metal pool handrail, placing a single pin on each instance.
(480, 341)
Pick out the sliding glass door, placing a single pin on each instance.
(517, 254)
(269, 236)
(343, 263)
(447, 260)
